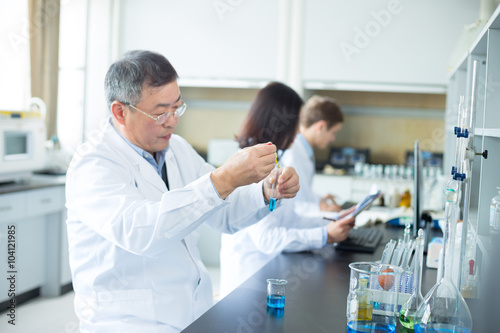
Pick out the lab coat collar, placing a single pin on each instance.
(305, 144)
(144, 167)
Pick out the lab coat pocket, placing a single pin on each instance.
(122, 303)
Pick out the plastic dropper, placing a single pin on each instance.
(470, 290)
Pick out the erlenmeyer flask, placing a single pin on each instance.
(444, 309)
(409, 308)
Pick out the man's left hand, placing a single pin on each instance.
(328, 204)
(288, 184)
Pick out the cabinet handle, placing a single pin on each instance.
(5, 208)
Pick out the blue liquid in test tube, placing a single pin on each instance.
(272, 204)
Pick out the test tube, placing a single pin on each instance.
(387, 254)
(274, 188)
(398, 252)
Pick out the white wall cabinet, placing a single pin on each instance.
(399, 45)
(485, 174)
(37, 216)
(214, 40)
(377, 45)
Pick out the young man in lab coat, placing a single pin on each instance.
(136, 194)
(320, 120)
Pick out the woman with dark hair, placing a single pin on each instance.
(274, 117)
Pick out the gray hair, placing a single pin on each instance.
(136, 70)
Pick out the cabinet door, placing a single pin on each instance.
(31, 249)
(205, 39)
(45, 201)
(27, 257)
(383, 41)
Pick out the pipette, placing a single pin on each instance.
(274, 185)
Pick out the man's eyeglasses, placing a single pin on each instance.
(162, 118)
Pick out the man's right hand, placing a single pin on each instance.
(249, 165)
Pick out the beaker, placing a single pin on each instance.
(444, 309)
(276, 293)
(372, 303)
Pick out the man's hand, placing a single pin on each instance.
(345, 212)
(249, 165)
(328, 204)
(288, 184)
(339, 230)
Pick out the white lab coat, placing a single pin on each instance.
(245, 252)
(132, 244)
(306, 201)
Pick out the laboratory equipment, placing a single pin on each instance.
(405, 199)
(22, 141)
(409, 308)
(398, 252)
(469, 290)
(274, 186)
(372, 302)
(418, 182)
(405, 261)
(465, 155)
(495, 214)
(444, 309)
(360, 302)
(387, 254)
(276, 293)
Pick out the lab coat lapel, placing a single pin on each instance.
(173, 172)
(141, 166)
(150, 174)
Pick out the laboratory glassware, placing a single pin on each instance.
(276, 293)
(495, 214)
(387, 254)
(444, 309)
(274, 186)
(372, 303)
(409, 308)
(469, 290)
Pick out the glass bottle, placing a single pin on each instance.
(360, 302)
(405, 199)
(409, 308)
(495, 214)
(444, 309)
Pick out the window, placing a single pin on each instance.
(15, 90)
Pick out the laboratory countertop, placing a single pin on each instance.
(34, 182)
(316, 294)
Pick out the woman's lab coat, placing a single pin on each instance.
(132, 244)
(307, 202)
(245, 252)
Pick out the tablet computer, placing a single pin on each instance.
(365, 203)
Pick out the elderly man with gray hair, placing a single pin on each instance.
(136, 194)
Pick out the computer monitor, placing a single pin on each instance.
(417, 189)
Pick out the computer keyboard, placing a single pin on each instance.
(364, 239)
